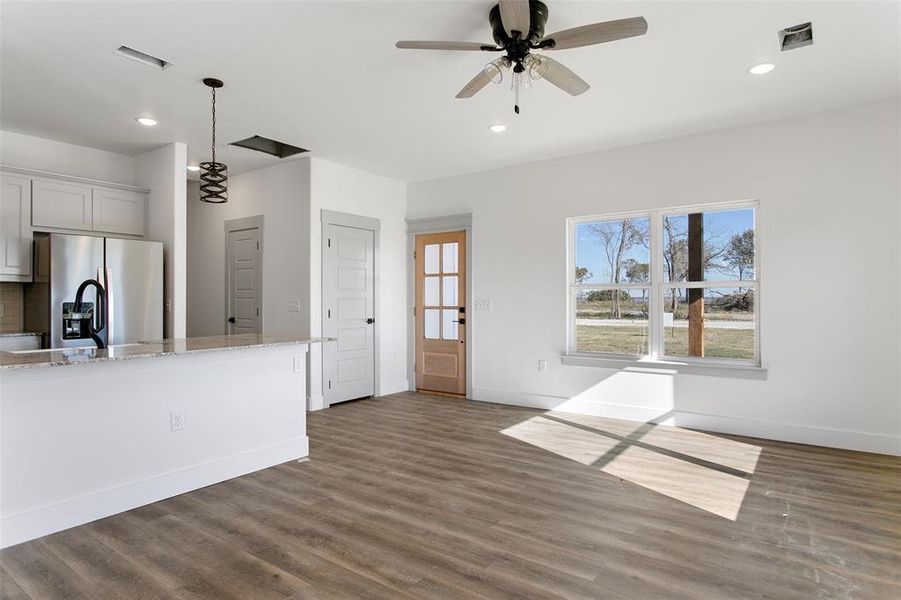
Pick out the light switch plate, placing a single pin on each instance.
(294, 306)
(483, 305)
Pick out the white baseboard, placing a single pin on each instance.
(768, 430)
(315, 402)
(393, 387)
(44, 520)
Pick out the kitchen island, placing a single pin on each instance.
(86, 433)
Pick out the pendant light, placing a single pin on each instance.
(213, 175)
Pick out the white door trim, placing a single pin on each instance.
(438, 225)
(333, 217)
(237, 225)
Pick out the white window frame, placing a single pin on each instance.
(657, 289)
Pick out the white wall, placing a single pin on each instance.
(829, 192)
(41, 154)
(339, 188)
(163, 171)
(281, 194)
(69, 455)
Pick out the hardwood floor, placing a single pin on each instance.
(412, 496)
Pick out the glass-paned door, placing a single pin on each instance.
(441, 312)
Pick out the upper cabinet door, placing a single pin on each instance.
(118, 211)
(61, 205)
(15, 228)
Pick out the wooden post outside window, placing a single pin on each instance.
(696, 295)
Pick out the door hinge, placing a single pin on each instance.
(329, 384)
(329, 313)
(258, 245)
(414, 311)
(414, 255)
(258, 311)
(330, 242)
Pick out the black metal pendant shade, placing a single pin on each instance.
(213, 175)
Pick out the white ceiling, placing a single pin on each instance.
(326, 76)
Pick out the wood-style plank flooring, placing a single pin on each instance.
(412, 496)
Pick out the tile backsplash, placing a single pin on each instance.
(12, 303)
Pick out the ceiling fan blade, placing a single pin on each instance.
(516, 16)
(475, 84)
(596, 33)
(562, 77)
(429, 45)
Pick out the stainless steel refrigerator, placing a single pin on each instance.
(131, 271)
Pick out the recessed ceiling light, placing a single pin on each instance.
(147, 121)
(193, 168)
(761, 69)
(498, 128)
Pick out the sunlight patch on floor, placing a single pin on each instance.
(722, 451)
(696, 468)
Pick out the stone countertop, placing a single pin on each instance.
(176, 347)
(19, 334)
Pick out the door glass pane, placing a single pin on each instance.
(450, 290)
(727, 326)
(612, 251)
(612, 321)
(432, 326)
(431, 258)
(450, 257)
(431, 292)
(725, 248)
(448, 324)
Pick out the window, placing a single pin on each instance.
(678, 284)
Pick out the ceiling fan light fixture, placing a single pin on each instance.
(147, 121)
(495, 69)
(535, 66)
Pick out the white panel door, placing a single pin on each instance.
(245, 294)
(348, 303)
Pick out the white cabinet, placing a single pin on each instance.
(61, 205)
(118, 211)
(15, 228)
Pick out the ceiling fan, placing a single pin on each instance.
(518, 28)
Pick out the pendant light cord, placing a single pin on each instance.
(214, 125)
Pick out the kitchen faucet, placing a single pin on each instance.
(79, 325)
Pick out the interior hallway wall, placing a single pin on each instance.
(163, 171)
(339, 188)
(281, 193)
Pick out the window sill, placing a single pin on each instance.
(665, 366)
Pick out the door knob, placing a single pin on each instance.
(370, 321)
(231, 319)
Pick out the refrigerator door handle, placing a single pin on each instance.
(110, 306)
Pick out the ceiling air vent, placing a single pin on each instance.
(267, 146)
(796, 37)
(143, 57)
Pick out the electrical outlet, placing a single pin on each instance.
(483, 305)
(177, 421)
(299, 363)
(542, 366)
(168, 305)
(294, 306)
